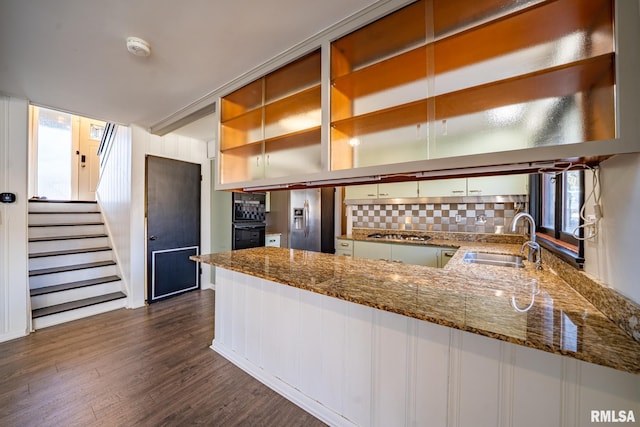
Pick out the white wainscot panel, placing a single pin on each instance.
(475, 387)
(358, 363)
(427, 397)
(538, 388)
(390, 369)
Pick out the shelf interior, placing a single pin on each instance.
(294, 77)
(242, 100)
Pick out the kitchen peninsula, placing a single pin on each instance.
(367, 342)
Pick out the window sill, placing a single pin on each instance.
(562, 250)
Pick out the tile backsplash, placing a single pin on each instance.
(482, 217)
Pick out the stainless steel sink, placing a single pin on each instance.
(500, 260)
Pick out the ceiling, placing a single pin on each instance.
(71, 55)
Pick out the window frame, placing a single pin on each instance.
(552, 239)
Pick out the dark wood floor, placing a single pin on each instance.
(150, 366)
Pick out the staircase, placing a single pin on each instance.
(72, 272)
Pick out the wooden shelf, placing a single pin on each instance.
(302, 137)
(294, 77)
(565, 80)
(237, 148)
(389, 118)
(395, 71)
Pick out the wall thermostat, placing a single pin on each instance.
(7, 197)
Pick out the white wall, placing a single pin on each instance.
(171, 146)
(612, 257)
(14, 286)
(114, 196)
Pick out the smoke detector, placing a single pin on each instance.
(138, 47)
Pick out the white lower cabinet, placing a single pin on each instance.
(397, 252)
(415, 254)
(344, 247)
(444, 255)
(372, 250)
(272, 240)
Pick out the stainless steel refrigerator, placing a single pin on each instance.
(311, 220)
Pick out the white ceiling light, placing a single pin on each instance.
(138, 47)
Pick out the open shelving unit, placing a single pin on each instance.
(431, 62)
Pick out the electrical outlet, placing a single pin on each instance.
(591, 218)
(458, 218)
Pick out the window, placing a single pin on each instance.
(556, 200)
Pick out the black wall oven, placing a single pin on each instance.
(248, 235)
(249, 226)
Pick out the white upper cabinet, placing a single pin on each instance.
(506, 185)
(454, 187)
(395, 190)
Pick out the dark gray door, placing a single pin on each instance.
(173, 226)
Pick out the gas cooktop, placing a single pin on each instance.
(397, 236)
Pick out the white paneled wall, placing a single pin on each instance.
(14, 288)
(350, 364)
(114, 196)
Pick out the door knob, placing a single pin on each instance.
(153, 238)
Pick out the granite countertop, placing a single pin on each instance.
(519, 305)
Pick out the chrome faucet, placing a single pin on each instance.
(535, 254)
(532, 224)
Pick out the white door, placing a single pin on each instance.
(64, 162)
(87, 160)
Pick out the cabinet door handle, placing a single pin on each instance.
(384, 194)
(457, 191)
(475, 191)
(258, 161)
(344, 244)
(448, 254)
(371, 195)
